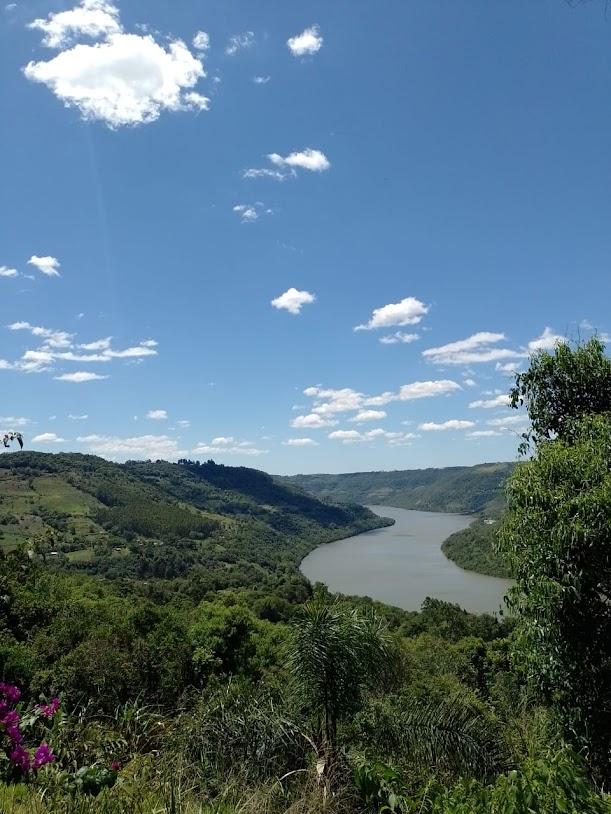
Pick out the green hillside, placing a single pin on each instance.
(466, 489)
(232, 524)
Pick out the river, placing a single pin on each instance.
(403, 564)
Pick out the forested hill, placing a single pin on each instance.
(470, 489)
(234, 525)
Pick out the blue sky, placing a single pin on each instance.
(437, 175)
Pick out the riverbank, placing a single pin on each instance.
(402, 564)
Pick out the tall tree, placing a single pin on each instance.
(556, 535)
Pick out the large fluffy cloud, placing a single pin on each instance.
(126, 79)
(547, 341)
(92, 18)
(409, 311)
(46, 265)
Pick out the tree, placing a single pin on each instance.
(335, 654)
(562, 386)
(556, 535)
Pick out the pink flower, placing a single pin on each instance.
(10, 692)
(115, 766)
(49, 710)
(20, 758)
(42, 756)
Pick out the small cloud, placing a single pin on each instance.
(312, 421)
(201, 41)
(261, 80)
(300, 442)
(239, 42)
(79, 376)
(249, 213)
(46, 265)
(10, 422)
(474, 349)
(346, 436)
(5, 271)
(399, 337)
(469, 382)
(368, 415)
(184, 423)
(453, 424)
(483, 434)
(308, 159)
(142, 446)
(293, 300)
(47, 438)
(157, 415)
(307, 43)
(78, 417)
(408, 311)
(488, 404)
(547, 341)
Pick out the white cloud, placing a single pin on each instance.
(228, 445)
(92, 18)
(423, 390)
(300, 442)
(201, 41)
(473, 349)
(547, 341)
(52, 338)
(312, 421)
(250, 212)
(79, 376)
(47, 438)
(46, 265)
(184, 423)
(142, 446)
(126, 80)
(368, 415)
(508, 421)
(354, 437)
(399, 337)
(488, 404)
(157, 415)
(408, 311)
(11, 422)
(508, 368)
(293, 300)
(483, 434)
(137, 351)
(261, 80)
(308, 159)
(5, 271)
(308, 42)
(78, 417)
(346, 436)
(286, 167)
(239, 41)
(452, 424)
(99, 344)
(469, 382)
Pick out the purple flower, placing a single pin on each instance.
(10, 692)
(49, 710)
(20, 758)
(115, 766)
(42, 756)
(10, 721)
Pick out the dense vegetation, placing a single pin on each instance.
(188, 694)
(467, 489)
(231, 526)
(474, 549)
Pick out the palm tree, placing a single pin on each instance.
(335, 654)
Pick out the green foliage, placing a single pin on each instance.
(556, 534)
(453, 489)
(562, 386)
(474, 549)
(335, 654)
